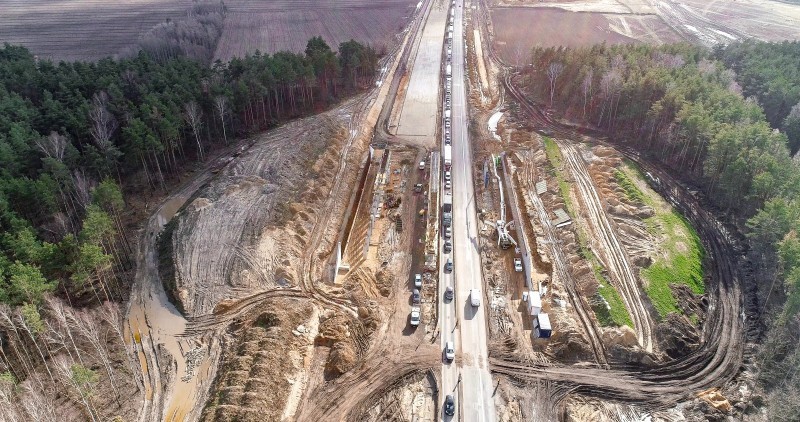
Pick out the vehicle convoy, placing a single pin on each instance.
(475, 297)
(447, 210)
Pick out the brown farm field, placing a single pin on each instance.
(271, 26)
(82, 29)
(92, 29)
(518, 29)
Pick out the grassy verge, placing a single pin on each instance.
(631, 191)
(556, 160)
(681, 253)
(608, 305)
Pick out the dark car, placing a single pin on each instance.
(449, 405)
(448, 293)
(415, 296)
(448, 266)
(448, 246)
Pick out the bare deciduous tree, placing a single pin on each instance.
(193, 116)
(53, 146)
(62, 315)
(90, 330)
(221, 105)
(64, 368)
(553, 72)
(39, 405)
(103, 123)
(587, 88)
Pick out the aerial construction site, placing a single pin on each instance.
(478, 235)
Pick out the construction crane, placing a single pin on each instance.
(504, 239)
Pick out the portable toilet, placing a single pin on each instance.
(541, 326)
(534, 302)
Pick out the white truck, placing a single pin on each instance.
(475, 297)
(449, 70)
(447, 153)
(447, 114)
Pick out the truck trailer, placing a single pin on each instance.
(448, 157)
(541, 326)
(534, 303)
(447, 210)
(449, 70)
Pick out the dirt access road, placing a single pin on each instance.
(719, 357)
(607, 247)
(155, 328)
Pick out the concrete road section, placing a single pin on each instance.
(421, 104)
(471, 382)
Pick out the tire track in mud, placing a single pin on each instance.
(720, 354)
(612, 252)
(562, 268)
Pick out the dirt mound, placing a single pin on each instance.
(384, 280)
(264, 351)
(199, 204)
(623, 336)
(570, 346)
(341, 359)
(677, 336)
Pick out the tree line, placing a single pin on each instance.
(726, 119)
(73, 136)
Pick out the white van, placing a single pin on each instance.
(475, 297)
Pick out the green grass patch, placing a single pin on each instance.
(682, 253)
(683, 263)
(608, 306)
(616, 314)
(556, 159)
(632, 192)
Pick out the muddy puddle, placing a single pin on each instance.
(154, 321)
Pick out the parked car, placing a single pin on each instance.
(448, 232)
(517, 265)
(447, 175)
(448, 293)
(415, 316)
(448, 185)
(449, 351)
(448, 246)
(449, 405)
(417, 280)
(448, 266)
(415, 296)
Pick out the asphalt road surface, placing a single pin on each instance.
(468, 379)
